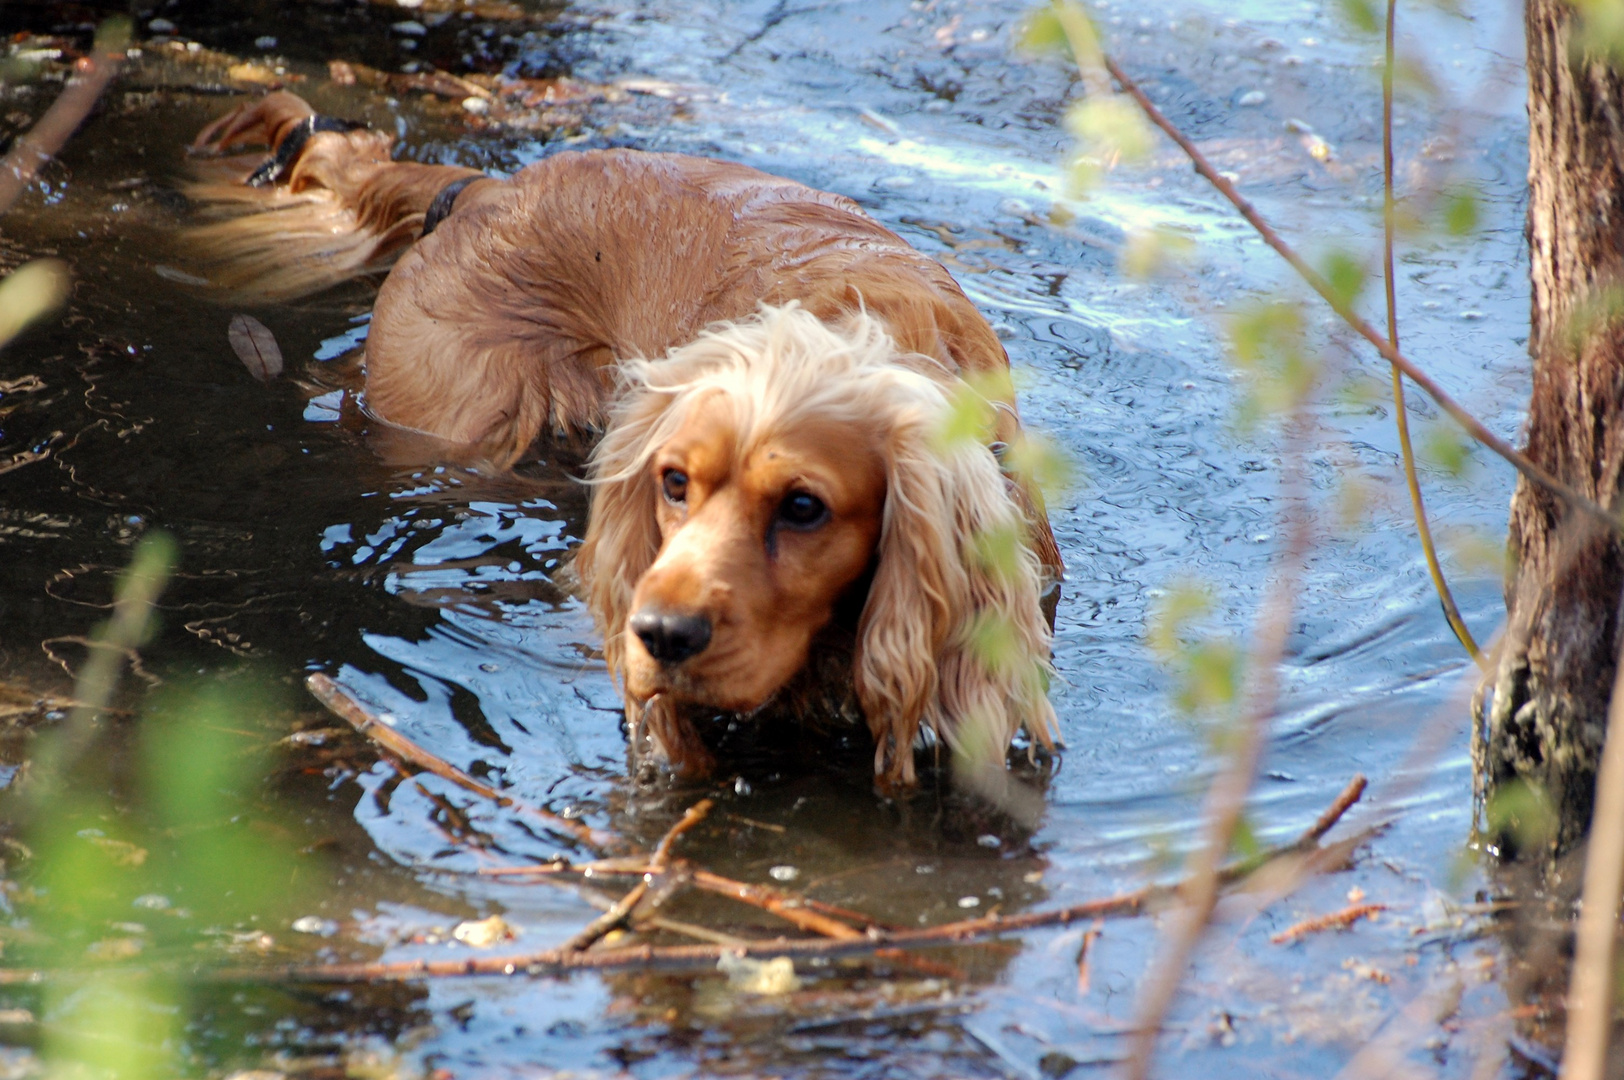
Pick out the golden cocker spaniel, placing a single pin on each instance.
(779, 512)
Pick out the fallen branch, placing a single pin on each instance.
(1336, 920)
(874, 941)
(376, 728)
(658, 862)
(1386, 348)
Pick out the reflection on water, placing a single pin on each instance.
(433, 592)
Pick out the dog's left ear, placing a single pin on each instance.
(952, 637)
(622, 534)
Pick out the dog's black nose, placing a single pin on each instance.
(671, 639)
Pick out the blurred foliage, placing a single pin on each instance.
(1269, 346)
(1519, 815)
(1153, 251)
(1600, 32)
(1207, 669)
(30, 293)
(144, 842)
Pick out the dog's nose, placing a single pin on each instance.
(668, 638)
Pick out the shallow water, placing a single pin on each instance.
(428, 590)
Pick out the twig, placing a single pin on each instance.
(1333, 813)
(657, 866)
(1591, 986)
(787, 906)
(1336, 920)
(1406, 448)
(875, 940)
(374, 727)
(1226, 798)
(1386, 348)
(1089, 937)
(46, 138)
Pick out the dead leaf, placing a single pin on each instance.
(485, 932)
(256, 347)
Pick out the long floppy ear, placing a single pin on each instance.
(952, 638)
(622, 534)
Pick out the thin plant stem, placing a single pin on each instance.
(47, 137)
(1591, 986)
(1423, 530)
(1226, 798)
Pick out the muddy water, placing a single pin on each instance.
(430, 592)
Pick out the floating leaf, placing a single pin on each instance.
(256, 347)
(483, 933)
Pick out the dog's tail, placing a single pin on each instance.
(326, 206)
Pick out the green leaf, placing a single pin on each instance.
(1042, 463)
(1361, 15)
(1346, 276)
(1460, 212)
(1445, 449)
(1111, 129)
(1041, 32)
(1150, 251)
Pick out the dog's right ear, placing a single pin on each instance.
(622, 534)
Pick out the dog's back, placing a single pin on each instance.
(506, 319)
(520, 301)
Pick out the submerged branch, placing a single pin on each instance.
(661, 858)
(341, 704)
(872, 942)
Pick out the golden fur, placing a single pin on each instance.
(762, 341)
(916, 664)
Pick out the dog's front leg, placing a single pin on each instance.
(671, 736)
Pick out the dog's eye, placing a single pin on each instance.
(802, 510)
(675, 485)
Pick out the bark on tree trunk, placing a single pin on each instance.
(1547, 708)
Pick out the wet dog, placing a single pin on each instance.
(780, 518)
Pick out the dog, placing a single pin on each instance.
(778, 515)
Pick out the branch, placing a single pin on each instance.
(1386, 348)
(376, 728)
(658, 862)
(645, 957)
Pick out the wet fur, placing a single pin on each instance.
(587, 291)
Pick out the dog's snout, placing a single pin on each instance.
(670, 638)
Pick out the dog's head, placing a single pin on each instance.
(777, 470)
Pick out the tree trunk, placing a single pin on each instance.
(1547, 705)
